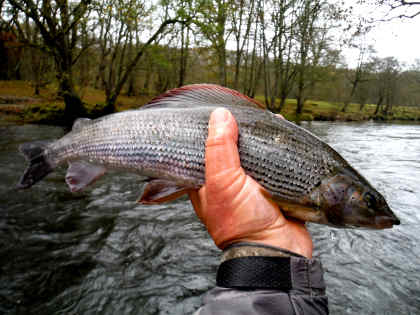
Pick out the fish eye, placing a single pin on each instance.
(369, 199)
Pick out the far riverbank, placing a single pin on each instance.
(19, 104)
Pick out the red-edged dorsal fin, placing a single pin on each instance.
(202, 94)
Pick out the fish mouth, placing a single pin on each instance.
(386, 222)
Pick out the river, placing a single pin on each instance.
(98, 252)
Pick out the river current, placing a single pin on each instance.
(99, 252)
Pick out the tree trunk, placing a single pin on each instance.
(300, 94)
(185, 38)
(282, 102)
(378, 105)
(347, 102)
(131, 91)
(73, 104)
(222, 65)
(387, 109)
(237, 70)
(299, 107)
(110, 101)
(147, 79)
(256, 80)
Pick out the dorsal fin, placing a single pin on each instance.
(202, 94)
(79, 123)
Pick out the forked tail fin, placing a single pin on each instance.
(38, 167)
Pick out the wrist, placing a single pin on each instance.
(248, 249)
(290, 235)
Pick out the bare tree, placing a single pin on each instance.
(399, 8)
(185, 10)
(279, 77)
(184, 53)
(119, 20)
(360, 74)
(212, 19)
(391, 76)
(309, 13)
(242, 16)
(40, 63)
(253, 57)
(410, 85)
(58, 23)
(387, 71)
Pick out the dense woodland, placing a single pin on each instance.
(278, 49)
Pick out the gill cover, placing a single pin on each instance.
(347, 200)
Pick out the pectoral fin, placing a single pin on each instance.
(299, 211)
(160, 190)
(80, 174)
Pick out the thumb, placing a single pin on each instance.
(221, 146)
(222, 125)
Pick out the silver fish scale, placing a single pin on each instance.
(169, 143)
(287, 160)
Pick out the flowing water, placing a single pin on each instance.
(98, 252)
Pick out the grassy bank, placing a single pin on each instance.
(329, 111)
(18, 102)
(23, 106)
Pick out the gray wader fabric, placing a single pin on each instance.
(306, 296)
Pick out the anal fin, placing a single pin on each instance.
(80, 174)
(160, 190)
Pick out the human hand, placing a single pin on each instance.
(233, 206)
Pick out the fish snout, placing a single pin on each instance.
(386, 221)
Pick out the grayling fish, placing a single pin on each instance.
(165, 140)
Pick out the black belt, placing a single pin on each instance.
(255, 272)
